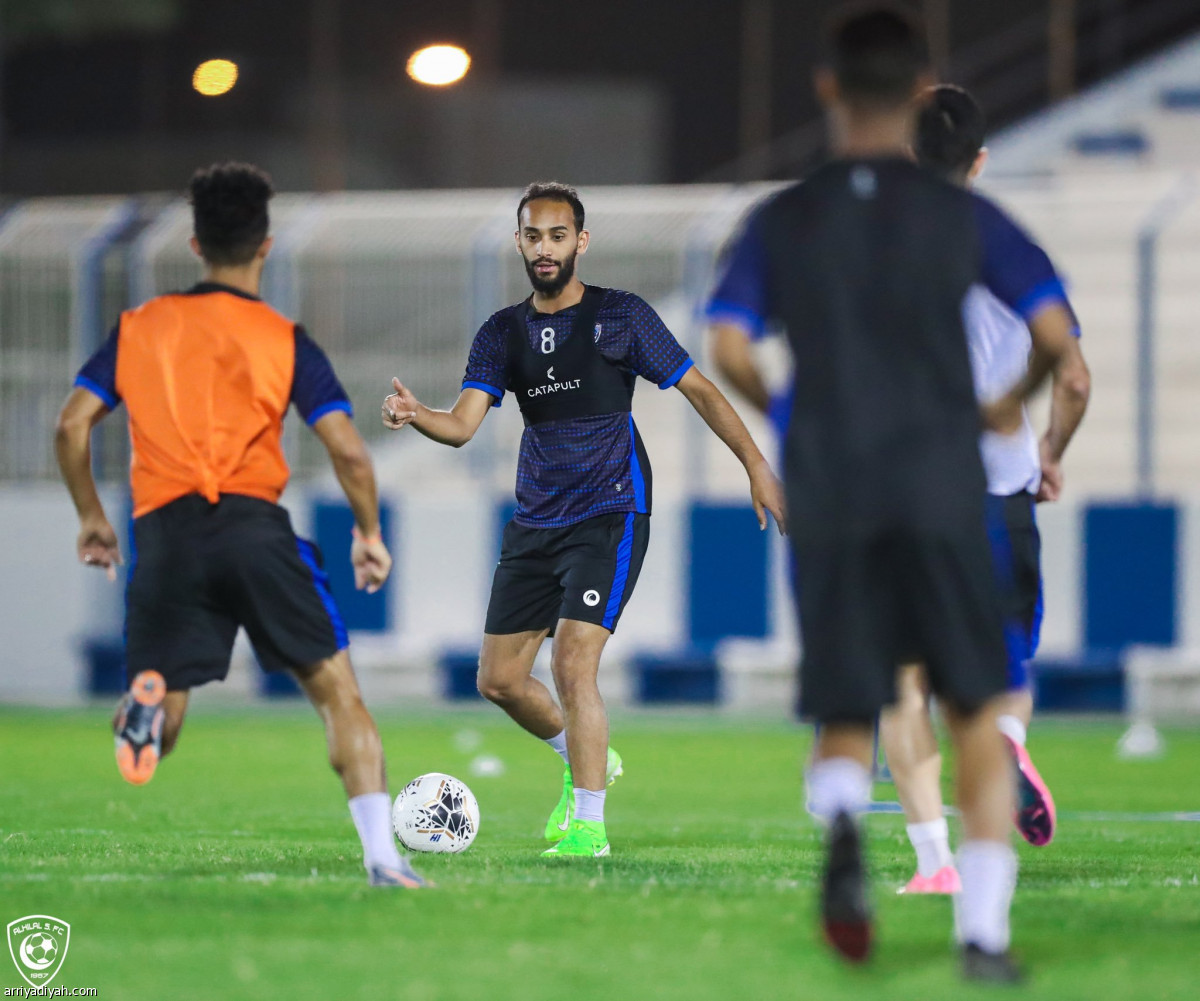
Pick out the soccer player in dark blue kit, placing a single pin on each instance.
(571, 354)
(867, 265)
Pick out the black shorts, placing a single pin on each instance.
(585, 571)
(200, 570)
(1017, 552)
(871, 601)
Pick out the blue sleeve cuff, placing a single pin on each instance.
(678, 374)
(109, 400)
(721, 311)
(328, 408)
(492, 390)
(1040, 296)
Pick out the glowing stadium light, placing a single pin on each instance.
(439, 65)
(215, 77)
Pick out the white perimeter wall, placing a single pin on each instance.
(49, 604)
(445, 557)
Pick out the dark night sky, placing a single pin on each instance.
(130, 85)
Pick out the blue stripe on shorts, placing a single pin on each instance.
(617, 593)
(321, 582)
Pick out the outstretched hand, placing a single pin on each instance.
(400, 408)
(766, 493)
(371, 561)
(97, 547)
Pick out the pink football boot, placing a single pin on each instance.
(945, 880)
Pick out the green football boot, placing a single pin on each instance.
(584, 839)
(560, 819)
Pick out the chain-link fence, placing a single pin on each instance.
(396, 283)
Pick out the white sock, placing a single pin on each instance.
(988, 870)
(837, 785)
(589, 805)
(931, 842)
(372, 815)
(1012, 728)
(559, 743)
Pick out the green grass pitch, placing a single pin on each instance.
(236, 872)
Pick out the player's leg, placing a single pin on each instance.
(599, 564)
(911, 747)
(274, 584)
(523, 607)
(176, 636)
(847, 618)
(356, 755)
(986, 862)
(1036, 814)
(838, 791)
(524, 604)
(954, 600)
(505, 679)
(1016, 547)
(915, 761)
(505, 666)
(1017, 705)
(576, 667)
(174, 709)
(355, 750)
(983, 782)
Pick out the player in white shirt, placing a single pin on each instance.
(1021, 471)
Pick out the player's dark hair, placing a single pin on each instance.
(950, 131)
(229, 211)
(556, 191)
(876, 51)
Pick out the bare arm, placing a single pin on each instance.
(734, 359)
(97, 542)
(1052, 330)
(1072, 386)
(710, 403)
(356, 474)
(454, 427)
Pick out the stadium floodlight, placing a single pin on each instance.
(439, 65)
(215, 77)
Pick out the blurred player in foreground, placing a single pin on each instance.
(571, 354)
(207, 377)
(866, 266)
(1020, 472)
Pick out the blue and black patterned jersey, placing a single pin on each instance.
(574, 469)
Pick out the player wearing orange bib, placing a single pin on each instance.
(207, 377)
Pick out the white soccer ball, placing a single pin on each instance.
(436, 813)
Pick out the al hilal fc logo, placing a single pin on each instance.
(38, 945)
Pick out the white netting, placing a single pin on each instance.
(396, 283)
(44, 247)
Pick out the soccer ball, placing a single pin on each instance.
(435, 813)
(38, 951)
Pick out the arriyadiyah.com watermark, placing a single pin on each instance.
(38, 945)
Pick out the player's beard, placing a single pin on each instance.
(551, 286)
